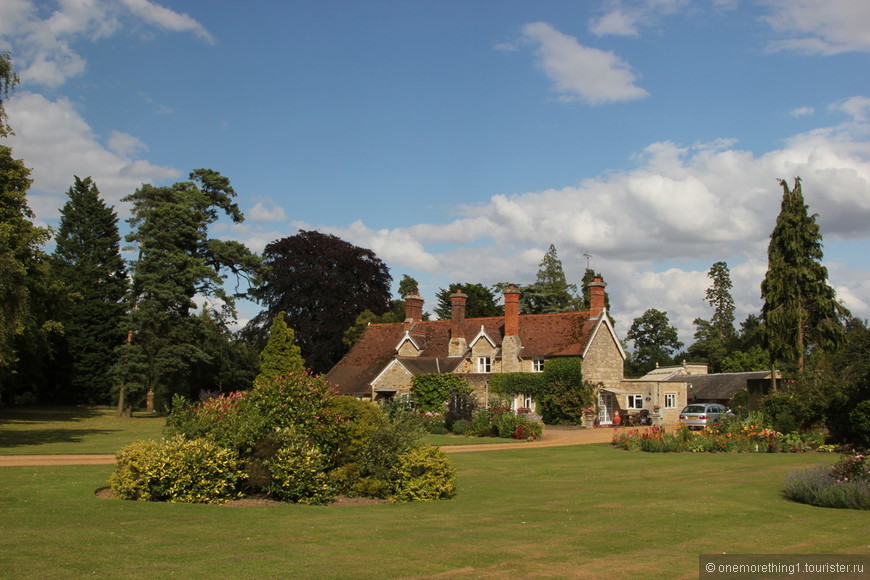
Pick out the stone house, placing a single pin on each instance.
(387, 356)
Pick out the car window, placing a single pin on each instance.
(694, 409)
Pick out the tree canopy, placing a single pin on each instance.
(799, 310)
(281, 355)
(8, 80)
(716, 338)
(323, 283)
(655, 340)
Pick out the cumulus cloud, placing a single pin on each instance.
(57, 143)
(825, 28)
(685, 206)
(45, 51)
(579, 72)
(626, 18)
(266, 213)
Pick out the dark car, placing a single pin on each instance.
(700, 415)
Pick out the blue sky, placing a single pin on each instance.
(459, 139)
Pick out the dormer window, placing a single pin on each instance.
(484, 364)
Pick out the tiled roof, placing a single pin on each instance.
(718, 386)
(560, 334)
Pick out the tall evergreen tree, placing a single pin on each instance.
(716, 338)
(800, 310)
(87, 259)
(551, 291)
(481, 301)
(176, 262)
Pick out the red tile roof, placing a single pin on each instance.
(542, 335)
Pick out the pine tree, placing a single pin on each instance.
(87, 259)
(281, 355)
(800, 309)
(551, 291)
(176, 262)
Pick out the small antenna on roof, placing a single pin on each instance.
(587, 256)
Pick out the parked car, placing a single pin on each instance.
(700, 415)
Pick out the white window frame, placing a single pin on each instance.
(670, 400)
(538, 364)
(484, 364)
(634, 402)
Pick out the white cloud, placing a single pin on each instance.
(684, 206)
(579, 72)
(57, 144)
(813, 27)
(44, 47)
(858, 108)
(625, 17)
(802, 111)
(262, 213)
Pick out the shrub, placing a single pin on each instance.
(423, 474)
(226, 419)
(178, 470)
(461, 426)
(500, 421)
(859, 419)
(299, 474)
(845, 485)
(460, 407)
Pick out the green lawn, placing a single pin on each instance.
(59, 430)
(564, 512)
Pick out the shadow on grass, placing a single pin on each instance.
(10, 439)
(25, 415)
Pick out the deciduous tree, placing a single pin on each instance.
(323, 283)
(655, 340)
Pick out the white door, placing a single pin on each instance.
(605, 409)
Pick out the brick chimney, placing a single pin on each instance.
(512, 311)
(458, 344)
(597, 297)
(413, 309)
(511, 346)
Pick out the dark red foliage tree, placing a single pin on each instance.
(322, 283)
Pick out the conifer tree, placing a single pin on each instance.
(551, 291)
(281, 355)
(87, 259)
(800, 309)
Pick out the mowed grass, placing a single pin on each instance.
(587, 511)
(62, 430)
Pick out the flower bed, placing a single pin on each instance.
(844, 485)
(728, 436)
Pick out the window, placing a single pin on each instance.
(635, 401)
(537, 365)
(670, 400)
(484, 365)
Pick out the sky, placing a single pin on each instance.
(458, 140)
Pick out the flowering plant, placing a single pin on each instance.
(589, 411)
(656, 407)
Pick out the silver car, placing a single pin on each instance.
(700, 415)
